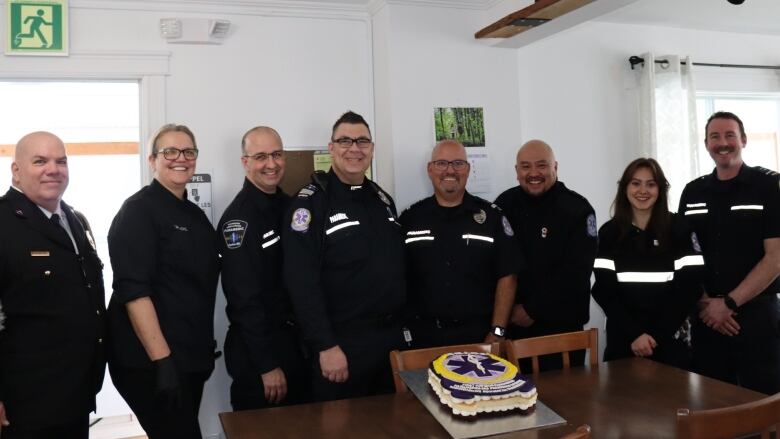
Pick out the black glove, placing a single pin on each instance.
(168, 388)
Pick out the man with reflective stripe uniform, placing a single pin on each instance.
(735, 212)
(262, 352)
(343, 266)
(556, 232)
(462, 261)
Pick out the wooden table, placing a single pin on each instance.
(620, 399)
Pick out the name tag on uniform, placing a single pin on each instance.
(39, 253)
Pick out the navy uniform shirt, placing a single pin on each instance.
(557, 234)
(646, 285)
(732, 218)
(257, 303)
(343, 258)
(456, 255)
(164, 248)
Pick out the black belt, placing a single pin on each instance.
(374, 322)
(451, 322)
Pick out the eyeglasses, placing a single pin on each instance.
(262, 156)
(347, 142)
(442, 165)
(171, 153)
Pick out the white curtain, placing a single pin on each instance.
(667, 119)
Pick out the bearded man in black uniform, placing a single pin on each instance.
(343, 266)
(51, 301)
(557, 234)
(262, 352)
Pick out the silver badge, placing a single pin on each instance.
(480, 217)
(383, 197)
(695, 242)
(544, 232)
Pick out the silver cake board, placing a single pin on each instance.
(464, 427)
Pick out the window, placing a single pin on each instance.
(761, 116)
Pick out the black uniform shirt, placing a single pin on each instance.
(51, 349)
(343, 258)
(557, 234)
(645, 285)
(456, 255)
(257, 304)
(732, 218)
(164, 248)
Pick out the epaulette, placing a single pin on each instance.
(308, 190)
(3, 198)
(766, 171)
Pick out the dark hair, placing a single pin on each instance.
(169, 128)
(726, 115)
(659, 226)
(352, 118)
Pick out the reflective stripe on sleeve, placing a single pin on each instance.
(479, 237)
(341, 226)
(646, 277)
(687, 261)
(418, 232)
(271, 242)
(419, 238)
(696, 205)
(607, 264)
(695, 212)
(748, 207)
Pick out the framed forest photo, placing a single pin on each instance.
(464, 124)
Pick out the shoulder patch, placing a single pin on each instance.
(300, 220)
(234, 231)
(591, 226)
(507, 226)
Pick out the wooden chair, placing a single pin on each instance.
(729, 422)
(553, 344)
(582, 432)
(421, 358)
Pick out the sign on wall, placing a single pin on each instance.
(199, 192)
(37, 27)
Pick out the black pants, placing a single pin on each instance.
(427, 334)
(159, 420)
(78, 429)
(750, 359)
(368, 362)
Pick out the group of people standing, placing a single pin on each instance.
(320, 286)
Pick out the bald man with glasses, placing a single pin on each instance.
(461, 259)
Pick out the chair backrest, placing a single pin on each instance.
(421, 358)
(582, 432)
(729, 422)
(552, 344)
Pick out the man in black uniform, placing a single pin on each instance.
(462, 261)
(262, 353)
(557, 234)
(343, 266)
(51, 301)
(735, 212)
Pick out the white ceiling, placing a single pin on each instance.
(753, 16)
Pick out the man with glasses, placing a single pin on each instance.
(51, 301)
(557, 233)
(461, 258)
(343, 266)
(262, 352)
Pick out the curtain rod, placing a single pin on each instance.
(634, 60)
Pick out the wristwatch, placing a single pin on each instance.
(499, 331)
(730, 303)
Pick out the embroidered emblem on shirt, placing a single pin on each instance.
(480, 217)
(383, 197)
(544, 232)
(507, 227)
(592, 229)
(233, 231)
(655, 243)
(338, 217)
(301, 219)
(181, 228)
(19, 212)
(695, 242)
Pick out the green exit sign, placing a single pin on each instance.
(37, 27)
